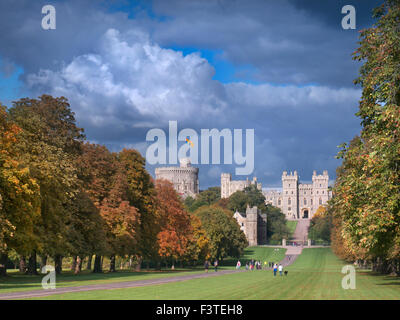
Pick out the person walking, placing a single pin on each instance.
(275, 269)
(238, 264)
(206, 265)
(215, 265)
(280, 268)
(247, 266)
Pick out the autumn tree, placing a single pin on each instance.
(367, 191)
(175, 227)
(141, 195)
(49, 145)
(122, 219)
(19, 195)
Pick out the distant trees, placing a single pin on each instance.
(320, 225)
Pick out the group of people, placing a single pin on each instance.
(250, 265)
(207, 265)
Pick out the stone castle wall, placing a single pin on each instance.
(298, 200)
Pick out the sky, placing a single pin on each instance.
(283, 68)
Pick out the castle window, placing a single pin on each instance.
(305, 201)
(289, 185)
(311, 201)
(317, 192)
(286, 192)
(322, 192)
(289, 209)
(279, 202)
(292, 192)
(320, 185)
(289, 202)
(320, 201)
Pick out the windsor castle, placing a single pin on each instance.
(296, 200)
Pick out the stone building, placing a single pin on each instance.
(229, 186)
(185, 178)
(254, 225)
(298, 200)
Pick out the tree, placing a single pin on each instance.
(141, 195)
(175, 227)
(96, 169)
(223, 232)
(19, 195)
(367, 191)
(121, 218)
(320, 225)
(207, 197)
(49, 145)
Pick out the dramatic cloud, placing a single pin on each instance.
(132, 85)
(127, 67)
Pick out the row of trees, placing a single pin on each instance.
(366, 204)
(61, 196)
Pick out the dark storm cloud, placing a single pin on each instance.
(283, 41)
(122, 79)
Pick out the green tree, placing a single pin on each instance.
(223, 232)
(367, 190)
(50, 143)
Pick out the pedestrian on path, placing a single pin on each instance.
(238, 264)
(275, 269)
(215, 265)
(280, 269)
(206, 265)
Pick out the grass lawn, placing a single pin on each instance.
(316, 274)
(21, 282)
(291, 224)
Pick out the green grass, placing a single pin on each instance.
(291, 224)
(316, 274)
(21, 282)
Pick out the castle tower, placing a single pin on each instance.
(320, 190)
(251, 225)
(290, 194)
(185, 178)
(226, 179)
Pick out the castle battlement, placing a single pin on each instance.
(300, 200)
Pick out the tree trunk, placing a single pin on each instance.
(73, 264)
(78, 265)
(89, 263)
(22, 264)
(32, 264)
(43, 260)
(3, 264)
(112, 264)
(139, 265)
(97, 264)
(58, 263)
